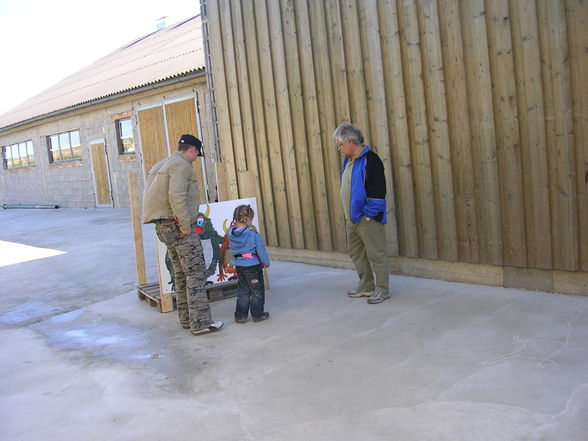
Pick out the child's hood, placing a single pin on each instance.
(239, 237)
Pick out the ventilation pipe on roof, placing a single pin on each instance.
(161, 22)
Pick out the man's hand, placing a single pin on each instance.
(184, 231)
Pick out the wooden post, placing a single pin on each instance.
(137, 231)
(222, 190)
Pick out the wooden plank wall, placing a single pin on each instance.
(478, 109)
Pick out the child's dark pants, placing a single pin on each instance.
(250, 292)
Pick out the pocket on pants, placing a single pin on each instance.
(167, 232)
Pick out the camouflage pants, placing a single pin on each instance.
(185, 252)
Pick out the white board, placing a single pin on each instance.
(212, 226)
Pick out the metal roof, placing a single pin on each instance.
(172, 52)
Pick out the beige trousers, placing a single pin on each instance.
(366, 244)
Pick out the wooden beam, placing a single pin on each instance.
(532, 129)
(508, 141)
(402, 175)
(559, 130)
(459, 131)
(417, 113)
(137, 230)
(482, 130)
(260, 145)
(301, 150)
(435, 94)
(577, 22)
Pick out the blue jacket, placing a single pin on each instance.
(245, 240)
(368, 187)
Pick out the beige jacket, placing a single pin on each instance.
(171, 192)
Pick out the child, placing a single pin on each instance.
(250, 257)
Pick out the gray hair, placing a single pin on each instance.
(347, 132)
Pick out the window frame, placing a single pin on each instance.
(71, 147)
(29, 152)
(120, 139)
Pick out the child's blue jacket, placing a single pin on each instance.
(243, 241)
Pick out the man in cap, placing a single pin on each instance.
(171, 202)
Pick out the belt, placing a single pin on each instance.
(248, 255)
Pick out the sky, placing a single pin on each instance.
(44, 41)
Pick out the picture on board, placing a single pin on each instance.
(212, 224)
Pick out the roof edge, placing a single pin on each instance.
(185, 77)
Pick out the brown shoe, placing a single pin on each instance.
(263, 317)
(240, 320)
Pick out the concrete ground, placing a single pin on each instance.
(82, 358)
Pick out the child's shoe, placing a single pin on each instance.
(264, 316)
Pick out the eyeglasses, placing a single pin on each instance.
(339, 144)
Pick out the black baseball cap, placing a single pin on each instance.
(192, 140)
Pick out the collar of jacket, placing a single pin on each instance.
(366, 149)
(178, 153)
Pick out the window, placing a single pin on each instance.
(18, 155)
(64, 146)
(124, 136)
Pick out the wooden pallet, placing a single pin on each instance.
(152, 294)
(223, 290)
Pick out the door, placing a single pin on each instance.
(101, 173)
(153, 138)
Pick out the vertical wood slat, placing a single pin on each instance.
(354, 66)
(261, 145)
(459, 131)
(271, 120)
(220, 90)
(220, 170)
(337, 60)
(577, 21)
(327, 121)
(397, 123)
(559, 134)
(483, 141)
(313, 127)
(180, 118)
(242, 67)
(534, 155)
(425, 207)
(376, 102)
(236, 150)
(507, 133)
(284, 114)
(298, 125)
(341, 109)
(438, 131)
